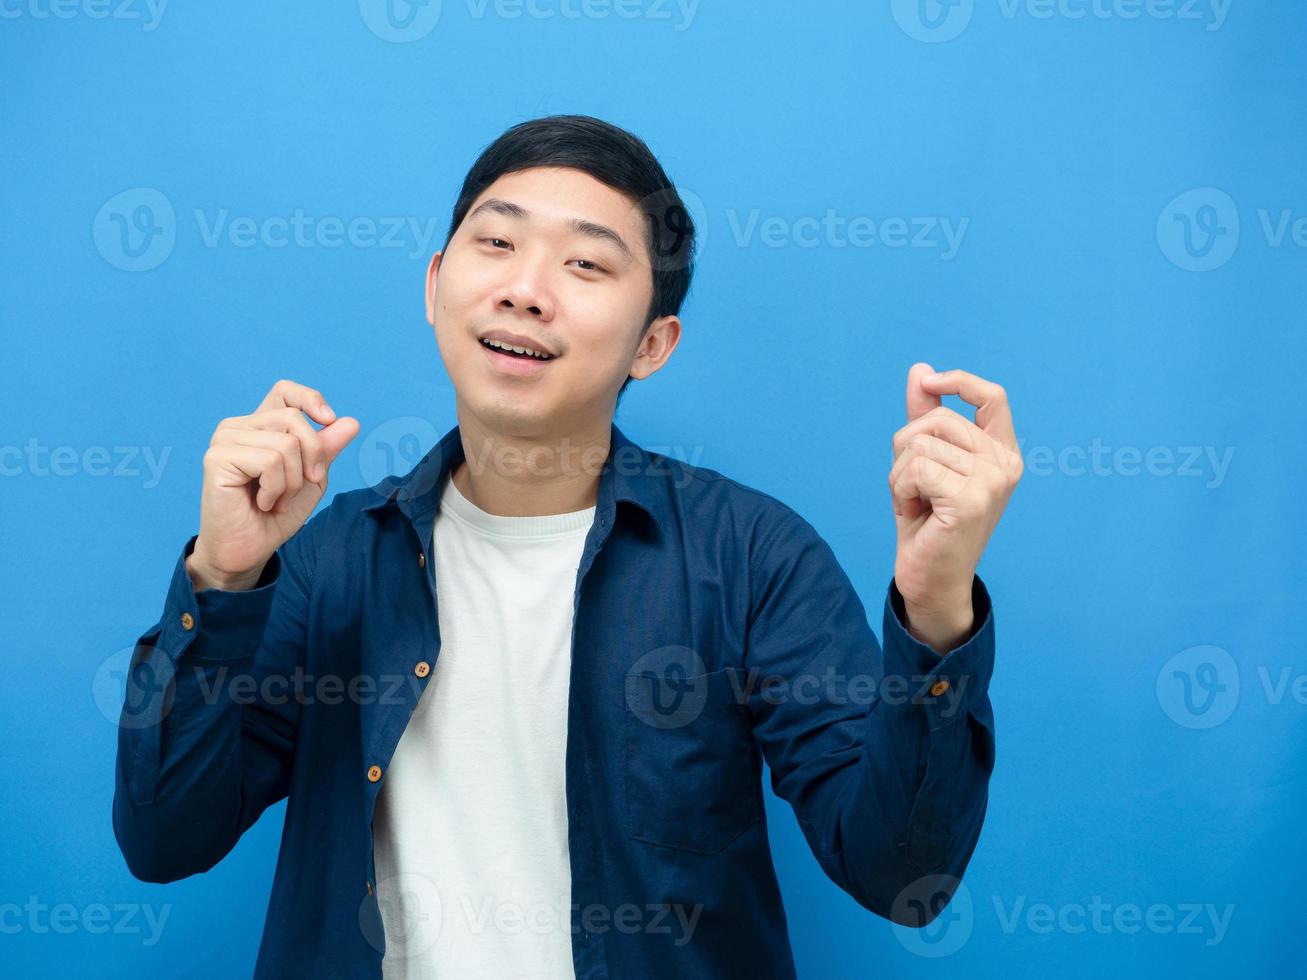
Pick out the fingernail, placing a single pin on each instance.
(317, 471)
(932, 377)
(325, 409)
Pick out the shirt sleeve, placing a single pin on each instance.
(208, 725)
(884, 754)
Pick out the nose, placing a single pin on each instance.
(526, 289)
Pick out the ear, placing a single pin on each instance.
(432, 268)
(656, 346)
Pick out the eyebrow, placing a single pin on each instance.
(588, 228)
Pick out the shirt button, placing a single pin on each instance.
(422, 669)
(374, 774)
(938, 688)
(368, 886)
(422, 560)
(188, 621)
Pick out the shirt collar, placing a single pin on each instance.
(628, 475)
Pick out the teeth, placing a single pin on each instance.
(519, 350)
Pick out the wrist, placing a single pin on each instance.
(204, 575)
(943, 624)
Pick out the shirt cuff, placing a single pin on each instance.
(230, 623)
(946, 685)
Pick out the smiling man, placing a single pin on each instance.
(519, 697)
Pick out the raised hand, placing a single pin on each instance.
(950, 482)
(263, 475)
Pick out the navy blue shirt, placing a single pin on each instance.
(713, 630)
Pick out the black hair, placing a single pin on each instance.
(614, 157)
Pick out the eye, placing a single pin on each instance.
(496, 242)
(587, 266)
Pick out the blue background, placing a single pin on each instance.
(1148, 615)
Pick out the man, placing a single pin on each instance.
(614, 642)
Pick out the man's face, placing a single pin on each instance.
(553, 260)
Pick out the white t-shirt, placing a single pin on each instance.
(473, 876)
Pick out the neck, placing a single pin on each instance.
(515, 475)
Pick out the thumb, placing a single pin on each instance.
(336, 436)
(920, 401)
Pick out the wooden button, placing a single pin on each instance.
(422, 560)
(938, 688)
(374, 774)
(368, 885)
(188, 621)
(422, 669)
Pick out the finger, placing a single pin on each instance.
(254, 463)
(920, 399)
(952, 427)
(292, 420)
(993, 414)
(290, 394)
(942, 422)
(336, 436)
(281, 442)
(925, 479)
(944, 453)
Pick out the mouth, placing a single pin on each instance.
(510, 350)
(521, 362)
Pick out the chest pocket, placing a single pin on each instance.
(692, 779)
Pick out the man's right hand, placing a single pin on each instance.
(263, 475)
